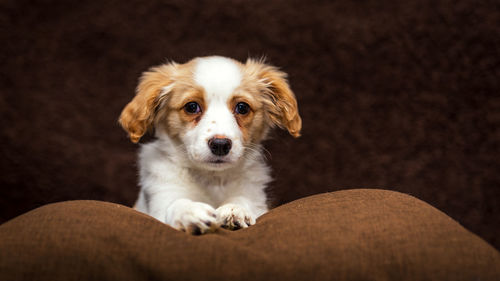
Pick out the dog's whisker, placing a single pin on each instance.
(260, 150)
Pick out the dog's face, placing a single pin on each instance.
(214, 108)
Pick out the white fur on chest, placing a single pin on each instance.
(163, 170)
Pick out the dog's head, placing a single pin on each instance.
(214, 107)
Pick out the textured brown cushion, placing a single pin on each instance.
(346, 235)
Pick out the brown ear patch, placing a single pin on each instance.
(279, 99)
(137, 117)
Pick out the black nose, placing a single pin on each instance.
(219, 146)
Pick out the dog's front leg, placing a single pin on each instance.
(238, 212)
(182, 213)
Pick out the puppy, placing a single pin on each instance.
(209, 115)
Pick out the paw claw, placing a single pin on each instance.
(233, 217)
(195, 230)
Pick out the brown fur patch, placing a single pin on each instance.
(193, 95)
(137, 117)
(171, 116)
(277, 97)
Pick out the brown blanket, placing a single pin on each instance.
(347, 235)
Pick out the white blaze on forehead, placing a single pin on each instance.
(219, 76)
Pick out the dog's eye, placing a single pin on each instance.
(192, 108)
(242, 108)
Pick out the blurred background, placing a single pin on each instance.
(400, 95)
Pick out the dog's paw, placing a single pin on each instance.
(232, 216)
(192, 217)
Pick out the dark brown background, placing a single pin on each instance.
(402, 95)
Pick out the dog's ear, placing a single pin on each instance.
(279, 100)
(154, 85)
